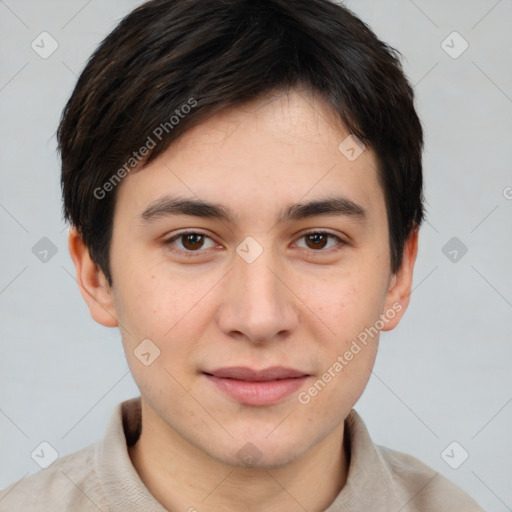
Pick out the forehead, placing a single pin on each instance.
(275, 150)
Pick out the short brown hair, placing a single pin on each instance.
(214, 54)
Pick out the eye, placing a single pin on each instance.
(190, 241)
(319, 241)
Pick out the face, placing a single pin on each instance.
(265, 311)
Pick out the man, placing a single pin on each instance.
(244, 185)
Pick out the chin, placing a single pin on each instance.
(259, 453)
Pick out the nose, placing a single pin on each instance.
(258, 304)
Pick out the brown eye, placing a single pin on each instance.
(192, 241)
(321, 241)
(316, 240)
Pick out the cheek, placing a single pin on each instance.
(171, 310)
(347, 355)
(347, 303)
(154, 304)
(154, 309)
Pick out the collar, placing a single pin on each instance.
(369, 485)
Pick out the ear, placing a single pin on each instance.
(92, 282)
(399, 292)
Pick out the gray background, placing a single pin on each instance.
(443, 375)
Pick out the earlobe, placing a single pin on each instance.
(92, 282)
(397, 298)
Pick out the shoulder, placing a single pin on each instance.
(380, 479)
(423, 488)
(69, 480)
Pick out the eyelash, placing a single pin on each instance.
(190, 254)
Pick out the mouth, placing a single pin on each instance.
(257, 387)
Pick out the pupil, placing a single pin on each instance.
(193, 241)
(317, 238)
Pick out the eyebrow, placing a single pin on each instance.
(167, 206)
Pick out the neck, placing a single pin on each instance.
(182, 477)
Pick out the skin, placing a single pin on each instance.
(296, 305)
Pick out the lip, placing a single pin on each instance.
(257, 387)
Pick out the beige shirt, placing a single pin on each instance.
(102, 478)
